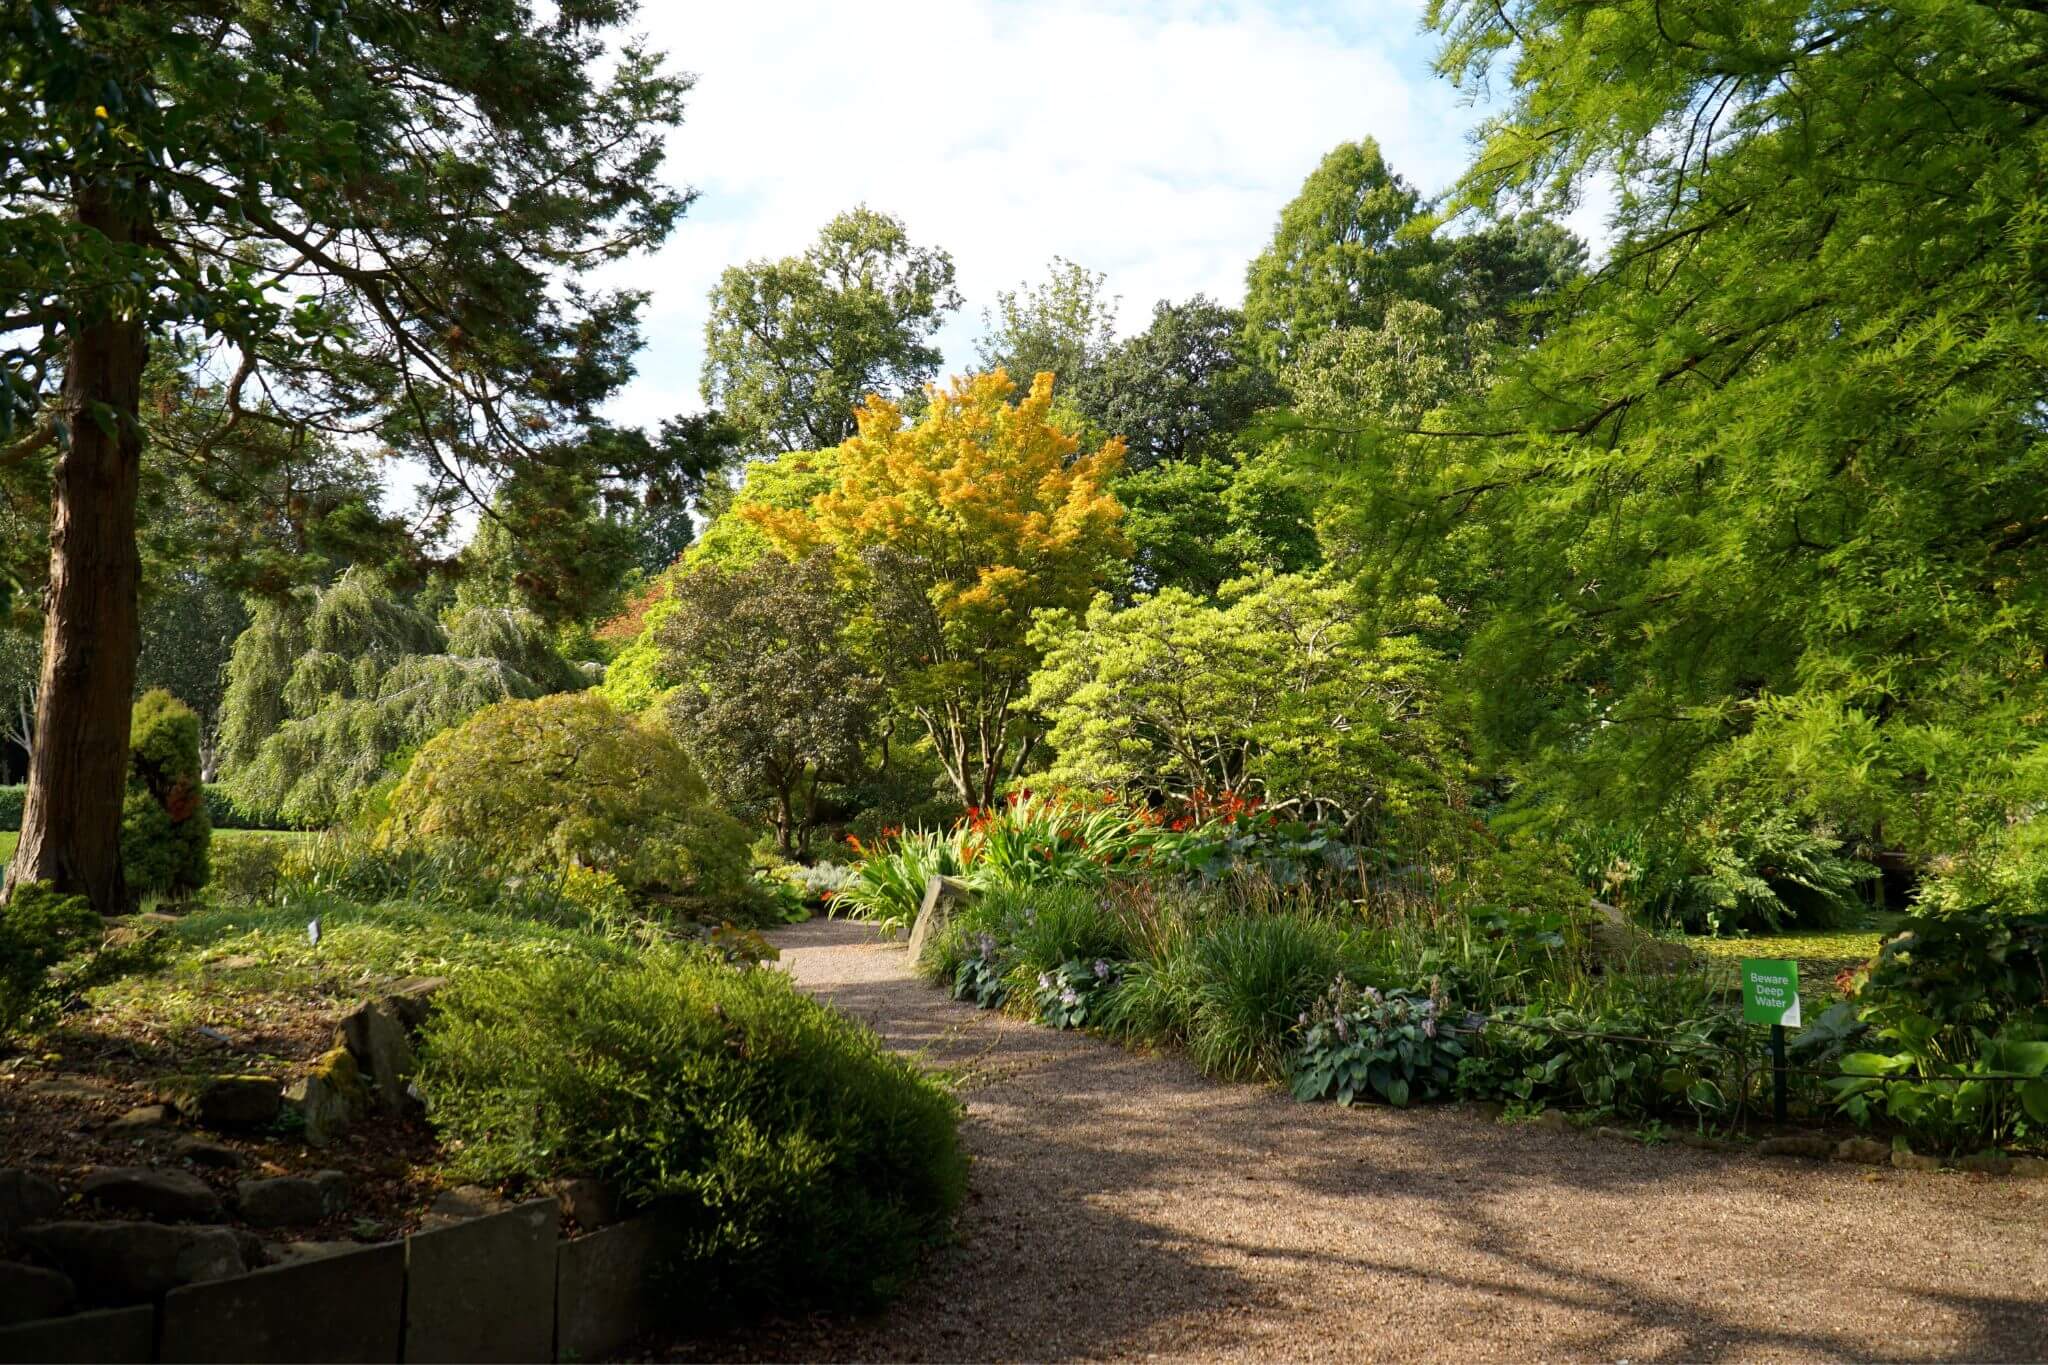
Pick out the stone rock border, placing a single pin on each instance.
(501, 1287)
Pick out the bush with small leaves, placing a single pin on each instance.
(165, 829)
(793, 1158)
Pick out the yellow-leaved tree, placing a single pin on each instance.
(954, 531)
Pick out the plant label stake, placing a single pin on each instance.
(1770, 995)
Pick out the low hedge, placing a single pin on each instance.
(220, 808)
(797, 1161)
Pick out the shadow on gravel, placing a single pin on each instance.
(1122, 1203)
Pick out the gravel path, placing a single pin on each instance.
(1124, 1206)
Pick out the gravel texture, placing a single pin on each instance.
(1123, 1205)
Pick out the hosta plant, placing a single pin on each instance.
(1358, 1042)
(980, 977)
(1068, 992)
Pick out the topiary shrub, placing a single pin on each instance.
(165, 829)
(535, 786)
(12, 799)
(795, 1159)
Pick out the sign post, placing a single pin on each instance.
(1770, 995)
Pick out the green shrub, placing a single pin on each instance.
(247, 871)
(1633, 1047)
(535, 786)
(227, 813)
(888, 886)
(165, 830)
(38, 930)
(1953, 1001)
(53, 947)
(799, 1161)
(12, 799)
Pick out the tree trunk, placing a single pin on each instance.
(78, 766)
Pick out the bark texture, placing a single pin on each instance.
(78, 766)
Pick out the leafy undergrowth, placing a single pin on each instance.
(9, 838)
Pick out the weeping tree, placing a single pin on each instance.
(365, 220)
(326, 688)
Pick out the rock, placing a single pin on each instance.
(378, 1033)
(592, 1203)
(291, 1253)
(243, 1101)
(413, 999)
(1913, 1161)
(70, 1088)
(1987, 1163)
(461, 1204)
(284, 1202)
(2029, 1168)
(140, 1120)
(167, 1193)
(206, 1152)
(1617, 943)
(29, 1292)
(942, 895)
(1815, 1145)
(117, 1263)
(331, 1097)
(26, 1197)
(1864, 1151)
(333, 1186)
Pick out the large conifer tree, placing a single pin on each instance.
(370, 215)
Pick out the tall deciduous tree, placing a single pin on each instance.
(1180, 389)
(1358, 238)
(1062, 326)
(793, 346)
(1353, 240)
(1772, 500)
(372, 214)
(771, 702)
(955, 531)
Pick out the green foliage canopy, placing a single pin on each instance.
(535, 786)
(772, 701)
(793, 346)
(327, 688)
(1274, 691)
(1769, 501)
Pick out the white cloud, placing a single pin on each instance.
(1154, 142)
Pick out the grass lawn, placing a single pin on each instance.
(8, 839)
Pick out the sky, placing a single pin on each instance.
(1153, 142)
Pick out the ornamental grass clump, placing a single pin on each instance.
(793, 1159)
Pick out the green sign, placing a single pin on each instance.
(1770, 992)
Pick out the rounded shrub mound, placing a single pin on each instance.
(565, 780)
(165, 829)
(793, 1157)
